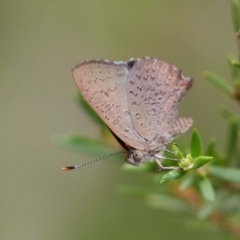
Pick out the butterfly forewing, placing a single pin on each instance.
(103, 85)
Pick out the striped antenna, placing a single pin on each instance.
(93, 161)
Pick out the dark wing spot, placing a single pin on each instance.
(151, 112)
(131, 63)
(138, 116)
(143, 125)
(131, 92)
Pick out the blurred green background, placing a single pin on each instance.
(40, 41)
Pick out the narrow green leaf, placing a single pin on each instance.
(206, 210)
(172, 175)
(151, 166)
(235, 63)
(235, 7)
(234, 66)
(237, 84)
(232, 141)
(227, 174)
(206, 189)
(200, 161)
(211, 147)
(90, 146)
(89, 110)
(167, 203)
(211, 151)
(196, 144)
(176, 151)
(187, 181)
(226, 112)
(219, 82)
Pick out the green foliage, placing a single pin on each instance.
(167, 203)
(236, 15)
(219, 82)
(206, 189)
(233, 130)
(190, 161)
(176, 151)
(234, 66)
(172, 175)
(187, 182)
(201, 161)
(231, 175)
(196, 144)
(84, 145)
(142, 168)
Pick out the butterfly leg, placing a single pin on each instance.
(166, 150)
(162, 158)
(161, 167)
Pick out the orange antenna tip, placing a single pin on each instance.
(67, 168)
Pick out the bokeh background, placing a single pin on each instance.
(40, 41)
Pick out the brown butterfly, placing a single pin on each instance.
(138, 101)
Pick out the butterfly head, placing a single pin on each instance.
(135, 157)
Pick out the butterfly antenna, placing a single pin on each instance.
(93, 161)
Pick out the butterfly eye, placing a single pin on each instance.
(137, 155)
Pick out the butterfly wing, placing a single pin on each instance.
(103, 85)
(180, 126)
(155, 89)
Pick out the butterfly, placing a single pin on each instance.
(138, 100)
